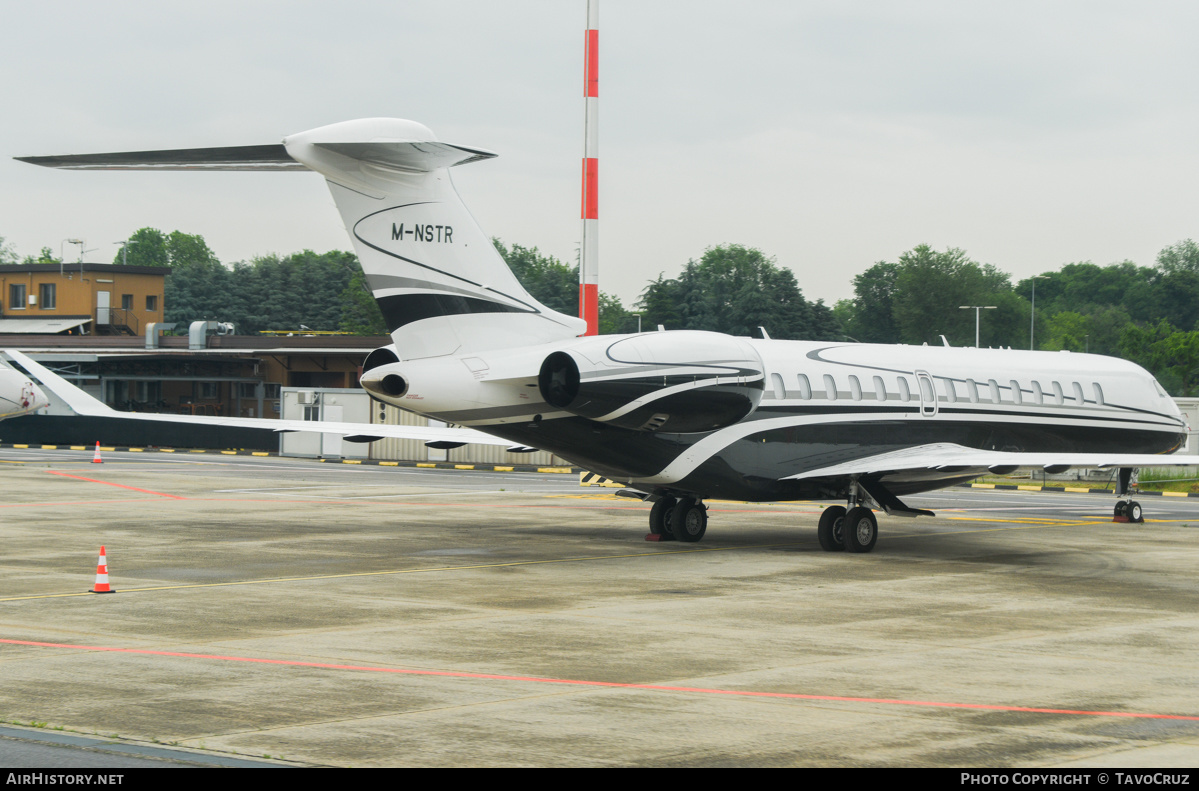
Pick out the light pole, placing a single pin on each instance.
(1032, 322)
(976, 309)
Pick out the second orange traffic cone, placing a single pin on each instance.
(102, 585)
(96, 459)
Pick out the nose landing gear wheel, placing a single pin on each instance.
(689, 520)
(829, 530)
(1133, 511)
(860, 530)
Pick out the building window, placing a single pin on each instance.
(47, 295)
(16, 297)
(210, 391)
(152, 302)
(126, 302)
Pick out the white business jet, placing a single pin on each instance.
(680, 416)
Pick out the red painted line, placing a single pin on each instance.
(591, 64)
(616, 684)
(120, 485)
(590, 209)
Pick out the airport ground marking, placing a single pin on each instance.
(119, 485)
(939, 704)
(390, 572)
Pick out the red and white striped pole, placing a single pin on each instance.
(589, 263)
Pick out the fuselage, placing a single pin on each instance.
(822, 404)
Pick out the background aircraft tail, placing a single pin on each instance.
(439, 281)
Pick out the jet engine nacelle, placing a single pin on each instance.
(680, 382)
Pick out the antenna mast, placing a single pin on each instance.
(589, 262)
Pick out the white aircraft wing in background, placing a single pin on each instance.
(84, 404)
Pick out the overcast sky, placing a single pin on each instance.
(829, 134)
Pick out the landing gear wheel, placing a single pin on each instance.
(1132, 509)
(660, 517)
(860, 530)
(1119, 509)
(829, 530)
(689, 520)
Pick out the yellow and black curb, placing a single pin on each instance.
(1071, 489)
(129, 449)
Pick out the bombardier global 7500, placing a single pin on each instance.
(677, 416)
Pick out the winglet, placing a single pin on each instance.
(76, 399)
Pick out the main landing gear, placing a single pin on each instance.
(678, 519)
(855, 529)
(852, 530)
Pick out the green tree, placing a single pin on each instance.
(931, 287)
(870, 316)
(736, 289)
(548, 280)
(145, 247)
(8, 255)
(1179, 257)
(360, 312)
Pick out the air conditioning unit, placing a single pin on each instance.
(306, 397)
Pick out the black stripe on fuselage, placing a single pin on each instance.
(401, 309)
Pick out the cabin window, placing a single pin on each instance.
(855, 388)
(1038, 395)
(994, 391)
(805, 388)
(1017, 395)
(1059, 396)
(880, 389)
(1098, 393)
(1078, 396)
(972, 391)
(830, 387)
(905, 392)
(780, 392)
(950, 395)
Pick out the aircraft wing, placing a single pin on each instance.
(84, 404)
(950, 457)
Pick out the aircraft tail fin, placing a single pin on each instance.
(442, 286)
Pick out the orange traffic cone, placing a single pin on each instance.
(102, 575)
(96, 459)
